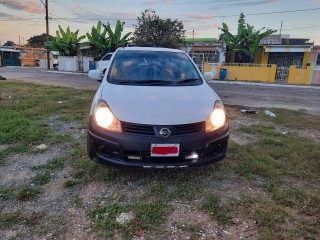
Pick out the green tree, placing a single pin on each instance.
(115, 39)
(38, 41)
(98, 40)
(152, 31)
(65, 42)
(247, 39)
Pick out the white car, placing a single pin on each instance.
(154, 109)
(104, 62)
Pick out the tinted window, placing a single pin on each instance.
(107, 57)
(149, 67)
(318, 60)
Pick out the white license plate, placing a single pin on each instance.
(165, 150)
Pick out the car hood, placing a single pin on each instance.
(159, 105)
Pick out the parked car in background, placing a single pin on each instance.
(155, 110)
(55, 55)
(104, 62)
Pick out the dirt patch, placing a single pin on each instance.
(78, 225)
(188, 222)
(18, 168)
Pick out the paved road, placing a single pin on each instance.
(252, 95)
(38, 75)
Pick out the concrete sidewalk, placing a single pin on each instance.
(277, 85)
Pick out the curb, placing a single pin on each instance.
(60, 72)
(264, 84)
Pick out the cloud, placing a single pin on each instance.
(197, 17)
(245, 3)
(5, 14)
(31, 6)
(105, 17)
(79, 6)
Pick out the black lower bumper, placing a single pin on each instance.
(126, 150)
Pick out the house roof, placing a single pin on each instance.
(200, 39)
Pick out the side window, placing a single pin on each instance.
(318, 60)
(107, 57)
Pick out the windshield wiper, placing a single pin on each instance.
(156, 82)
(187, 80)
(142, 82)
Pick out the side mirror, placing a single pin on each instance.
(95, 74)
(210, 75)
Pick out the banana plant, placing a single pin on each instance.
(98, 40)
(115, 39)
(65, 42)
(246, 41)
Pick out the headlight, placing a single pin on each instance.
(104, 118)
(217, 117)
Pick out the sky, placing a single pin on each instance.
(22, 19)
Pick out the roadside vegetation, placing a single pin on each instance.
(266, 188)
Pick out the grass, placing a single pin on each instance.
(5, 193)
(70, 183)
(146, 217)
(214, 206)
(272, 180)
(27, 192)
(22, 114)
(8, 219)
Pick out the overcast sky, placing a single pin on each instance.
(26, 18)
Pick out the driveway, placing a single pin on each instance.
(234, 93)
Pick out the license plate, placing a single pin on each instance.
(165, 150)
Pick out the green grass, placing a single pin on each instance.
(8, 219)
(22, 116)
(147, 217)
(6, 193)
(27, 192)
(214, 206)
(41, 178)
(272, 180)
(70, 183)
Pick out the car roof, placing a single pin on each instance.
(151, 49)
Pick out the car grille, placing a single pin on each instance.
(149, 130)
(139, 129)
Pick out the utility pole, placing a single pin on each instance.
(193, 36)
(280, 33)
(47, 28)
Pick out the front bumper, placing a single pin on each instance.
(129, 150)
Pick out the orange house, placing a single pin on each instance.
(29, 55)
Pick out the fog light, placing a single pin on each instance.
(192, 156)
(134, 158)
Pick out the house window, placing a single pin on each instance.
(318, 60)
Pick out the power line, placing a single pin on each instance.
(217, 16)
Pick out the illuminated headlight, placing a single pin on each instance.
(104, 118)
(217, 117)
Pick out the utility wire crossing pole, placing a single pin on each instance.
(47, 27)
(47, 30)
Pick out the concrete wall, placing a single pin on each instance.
(68, 64)
(245, 72)
(28, 61)
(299, 75)
(315, 79)
(86, 61)
(43, 63)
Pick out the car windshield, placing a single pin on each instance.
(131, 67)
